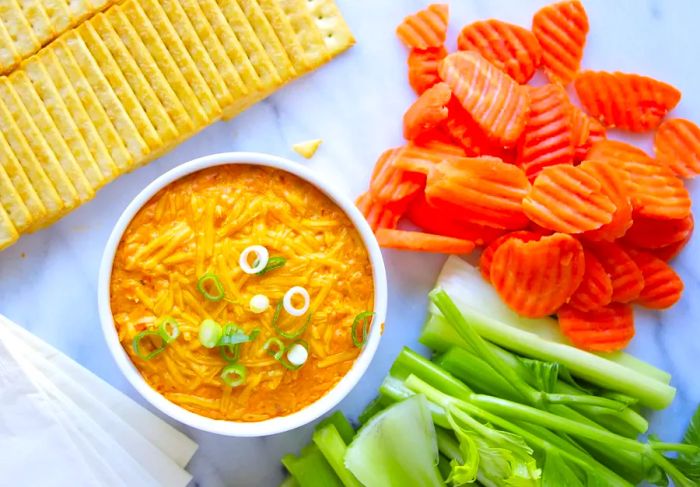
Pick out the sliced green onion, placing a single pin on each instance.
(209, 333)
(168, 329)
(290, 335)
(136, 344)
(234, 375)
(230, 353)
(202, 287)
(234, 335)
(278, 352)
(291, 349)
(272, 264)
(285, 361)
(365, 320)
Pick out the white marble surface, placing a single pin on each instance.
(47, 281)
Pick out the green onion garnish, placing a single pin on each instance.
(168, 329)
(278, 351)
(272, 264)
(364, 319)
(290, 335)
(136, 344)
(230, 353)
(216, 283)
(286, 363)
(209, 333)
(234, 375)
(232, 338)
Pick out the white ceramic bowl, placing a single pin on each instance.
(232, 428)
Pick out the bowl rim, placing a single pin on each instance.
(225, 427)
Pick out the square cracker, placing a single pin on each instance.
(306, 30)
(165, 62)
(8, 232)
(40, 150)
(30, 165)
(12, 201)
(264, 31)
(9, 56)
(231, 45)
(116, 22)
(120, 85)
(112, 141)
(335, 31)
(62, 100)
(18, 28)
(184, 61)
(253, 47)
(134, 142)
(212, 46)
(25, 91)
(58, 14)
(285, 33)
(38, 20)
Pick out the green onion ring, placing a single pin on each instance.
(136, 344)
(290, 335)
(285, 361)
(209, 276)
(230, 353)
(276, 354)
(234, 375)
(364, 318)
(273, 263)
(209, 333)
(168, 336)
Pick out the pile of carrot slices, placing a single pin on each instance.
(570, 222)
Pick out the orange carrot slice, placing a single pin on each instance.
(669, 252)
(648, 233)
(536, 278)
(615, 151)
(376, 214)
(548, 138)
(423, 67)
(426, 28)
(484, 190)
(614, 185)
(626, 101)
(438, 140)
(441, 222)
(561, 30)
(509, 47)
(662, 286)
(677, 145)
(462, 128)
(596, 288)
(391, 186)
(567, 199)
(419, 159)
(496, 102)
(422, 242)
(627, 279)
(487, 255)
(427, 111)
(581, 129)
(606, 329)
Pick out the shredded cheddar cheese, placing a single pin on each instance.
(201, 224)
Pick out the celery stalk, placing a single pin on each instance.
(289, 482)
(590, 367)
(342, 426)
(333, 447)
(467, 288)
(310, 468)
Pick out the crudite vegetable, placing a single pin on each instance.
(504, 401)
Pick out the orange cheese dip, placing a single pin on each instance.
(201, 224)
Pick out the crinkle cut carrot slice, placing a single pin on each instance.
(669, 252)
(392, 186)
(567, 199)
(484, 190)
(464, 129)
(614, 185)
(561, 30)
(548, 138)
(581, 128)
(442, 222)
(626, 101)
(422, 242)
(606, 329)
(440, 141)
(376, 214)
(627, 279)
(426, 28)
(487, 255)
(596, 287)
(662, 286)
(509, 47)
(649, 233)
(496, 102)
(536, 278)
(427, 111)
(615, 151)
(677, 146)
(419, 158)
(423, 67)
